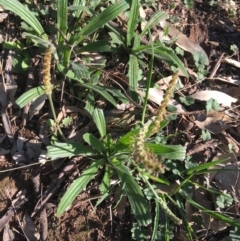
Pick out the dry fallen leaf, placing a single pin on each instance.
(29, 229)
(222, 98)
(214, 121)
(233, 62)
(156, 96)
(3, 16)
(183, 41)
(8, 234)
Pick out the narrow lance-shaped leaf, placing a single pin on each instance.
(174, 152)
(25, 14)
(132, 21)
(99, 89)
(61, 24)
(138, 202)
(133, 72)
(154, 20)
(164, 53)
(99, 20)
(99, 120)
(77, 186)
(80, 3)
(29, 95)
(94, 142)
(61, 150)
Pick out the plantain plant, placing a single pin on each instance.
(136, 159)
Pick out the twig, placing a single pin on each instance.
(216, 67)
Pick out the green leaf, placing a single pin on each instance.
(12, 45)
(105, 184)
(101, 199)
(164, 53)
(139, 205)
(117, 93)
(80, 70)
(116, 39)
(212, 104)
(214, 214)
(156, 221)
(77, 186)
(224, 200)
(133, 72)
(129, 138)
(234, 48)
(80, 3)
(99, 20)
(62, 19)
(99, 120)
(187, 100)
(24, 13)
(138, 233)
(204, 166)
(79, 8)
(159, 149)
(154, 20)
(38, 41)
(100, 90)
(206, 135)
(29, 95)
(94, 142)
(61, 150)
(132, 21)
(235, 234)
(173, 152)
(67, 121)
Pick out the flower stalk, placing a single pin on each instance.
(46, 72)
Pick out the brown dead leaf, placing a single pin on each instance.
(3, 16)
(214, 121)
(183, 41)
(29, 228)
(201, 198)
(229, 180)
(233, 62)
(156, 96)
(8, 234)
(33, 149)
(36, 105)
(164, 82)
